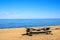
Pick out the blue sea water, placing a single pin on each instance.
(18, 23)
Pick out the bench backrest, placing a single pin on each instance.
(32, 29)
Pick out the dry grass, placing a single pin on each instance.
(16, 34)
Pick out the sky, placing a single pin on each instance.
(29, 9)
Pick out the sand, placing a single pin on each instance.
(16, 34)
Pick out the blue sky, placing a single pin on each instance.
(29, 9)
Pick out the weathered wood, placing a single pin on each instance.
(31, 31)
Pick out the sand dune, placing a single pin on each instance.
(16, 34)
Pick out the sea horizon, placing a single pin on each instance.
(19, 23)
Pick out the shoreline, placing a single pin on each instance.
(30, 27)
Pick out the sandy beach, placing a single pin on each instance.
(16, 34)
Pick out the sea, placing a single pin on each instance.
(19, 23)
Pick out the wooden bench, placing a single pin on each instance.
(31, 31)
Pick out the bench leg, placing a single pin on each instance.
(30, 34)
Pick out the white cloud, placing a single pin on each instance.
(7, 13)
